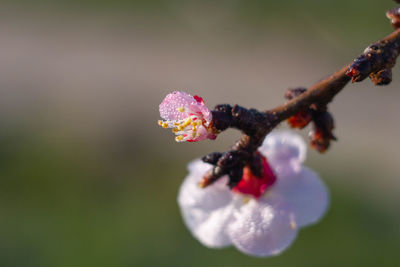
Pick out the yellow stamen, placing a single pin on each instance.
(187, 122)
(199, 122)
(176, 124)
(165, 125)
(179, 138)
(175, 130)
(181, 109)
(194, 124)
(180, 127)
(246, 200)
(160, 122)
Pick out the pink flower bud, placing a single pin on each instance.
(188, 117)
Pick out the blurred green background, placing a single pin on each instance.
(89, 179)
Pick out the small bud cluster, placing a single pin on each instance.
(321, 134)
(230, 161)
(394, 16)
(376, 63)
(303, 117)
(251, 179)
(323, 124)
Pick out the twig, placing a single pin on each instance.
(376, 62)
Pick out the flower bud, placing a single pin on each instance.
(188, 117)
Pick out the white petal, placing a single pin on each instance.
(207, 211)
(306, 194)
(263, 228)
(212, 231)
(285, 151)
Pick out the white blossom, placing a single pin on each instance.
(264, 226)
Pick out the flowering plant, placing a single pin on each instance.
(257, 195)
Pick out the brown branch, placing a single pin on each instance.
(376, 62)
(322, 93)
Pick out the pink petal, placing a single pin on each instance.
(193, 106)
(174, 100)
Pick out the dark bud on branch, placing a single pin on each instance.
(231, 163)
(231, 158)
(394, 16)
(318, 141)
(322, 120)
(382, 77)
(302, 118)
(321, 135)
(226, 159)
(360, 69)
(212, 158)
(376, 62)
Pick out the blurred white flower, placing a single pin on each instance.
(258, 226)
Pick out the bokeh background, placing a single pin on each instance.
(89, 179)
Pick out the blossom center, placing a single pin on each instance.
(185, 129)
(254, 185)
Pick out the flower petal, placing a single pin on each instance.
(263, 227)
(207, 211)
(305, 192)
(285, 150)
(172, 102)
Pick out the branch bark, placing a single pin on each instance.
(376, 62)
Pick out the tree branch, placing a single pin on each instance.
(376, 62)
